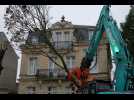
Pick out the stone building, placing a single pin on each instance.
(9, 62)
(40, 75)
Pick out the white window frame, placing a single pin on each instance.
(94, 70)
(70, 61)
(68, 90)
(32, 69)
(53, 67)
(58, 37)
(53, 90)
(84, 51)
(90, 34)
(50, 67)
(67, 36)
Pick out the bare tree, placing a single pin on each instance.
(21, 19)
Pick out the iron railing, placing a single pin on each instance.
(63, 44)
(51, 74)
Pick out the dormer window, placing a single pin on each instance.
(58, 36)
(90, 34)
(67, 36)
(34, 39)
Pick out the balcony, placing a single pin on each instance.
(63, 44)
(46, 74)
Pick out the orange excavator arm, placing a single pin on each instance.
(82, 74)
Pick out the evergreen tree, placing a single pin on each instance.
(128, 31)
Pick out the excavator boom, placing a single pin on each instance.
(124, 73)
(123, 60)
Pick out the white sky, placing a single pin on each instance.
(86, 14)
(77, 14)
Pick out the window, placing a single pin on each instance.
(32, 65)
(34, 39)
(90, 34)
(58, 36)
(51, 66)
(67, 39)
(84, 52)
(68, 90)
(70, 61)
(51, 90)
(93, 65)
(67, 36)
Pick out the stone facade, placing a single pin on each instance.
(9, 72)
(103, 60)
(79, 37)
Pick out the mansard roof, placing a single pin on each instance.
(81, 32)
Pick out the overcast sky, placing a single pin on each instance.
(78, 14)
(86, 14)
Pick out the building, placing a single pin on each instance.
(40, 75)
(9, 62)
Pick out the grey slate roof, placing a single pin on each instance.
(39, 35)
(81, 32)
